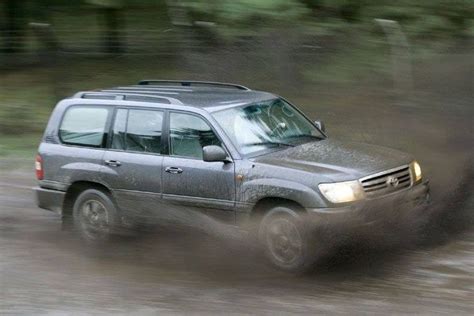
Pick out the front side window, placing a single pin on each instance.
(189, 134)
(138, 130)
(84, 125)
(267, 124)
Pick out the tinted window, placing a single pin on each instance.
(189, 134)
(138, 130)
(84, 126)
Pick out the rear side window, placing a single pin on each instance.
(138, 130)
(84, 125)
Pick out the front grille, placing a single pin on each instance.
(387, 181)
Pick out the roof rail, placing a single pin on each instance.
(154, 88)
(126, 96)
(189, 83)
(152, 92)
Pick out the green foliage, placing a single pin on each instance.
(426, 19)
(18, 146)
(107, 3)
(429, 19)
(248, 12)
(423, 19)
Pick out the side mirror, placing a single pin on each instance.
(214, 153)
(320, 125)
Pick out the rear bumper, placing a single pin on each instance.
(51, 200)
(376, 216)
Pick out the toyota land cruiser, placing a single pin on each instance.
(247, 158)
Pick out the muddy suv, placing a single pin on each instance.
(183, 151)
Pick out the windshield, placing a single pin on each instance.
(267, 124)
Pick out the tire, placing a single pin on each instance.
(67, 223)
(286, 240)
(95, 216)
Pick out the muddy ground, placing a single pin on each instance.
(45, 270)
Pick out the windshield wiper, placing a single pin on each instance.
(307, 135)
(279, 144)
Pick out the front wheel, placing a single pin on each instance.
(286, 240)
(95, 215)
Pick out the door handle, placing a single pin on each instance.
(113, 163)
(174, 170)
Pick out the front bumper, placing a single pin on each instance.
(51, 200)
(375, 216)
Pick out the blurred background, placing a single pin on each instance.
(321, 54)
(394, 73)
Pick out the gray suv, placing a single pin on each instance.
(171, 149)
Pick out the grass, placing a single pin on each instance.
(19, 146)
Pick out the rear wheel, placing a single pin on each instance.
(95, 215)
(286, 240)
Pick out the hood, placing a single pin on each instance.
(337, 160)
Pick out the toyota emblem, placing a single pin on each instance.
(392, 182)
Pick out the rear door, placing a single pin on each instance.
(189, 181)
(133, 162)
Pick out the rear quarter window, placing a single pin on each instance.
(84, 125)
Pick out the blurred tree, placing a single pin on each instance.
(14, 29)
(348, 10)
(111, 13)
(458, 13)
(314, 5)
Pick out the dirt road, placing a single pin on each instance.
(44, 270)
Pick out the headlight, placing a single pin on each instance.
(341, 192)
(417, 170)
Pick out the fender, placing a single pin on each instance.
(254, 190)
(81, 171)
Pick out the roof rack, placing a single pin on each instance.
(155, 88)
(152, 92)
(126, 96)
(189, 83)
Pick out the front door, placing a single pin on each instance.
(133, 164)
(208, 187)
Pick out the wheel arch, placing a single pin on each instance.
(77, 188)
(267, 203)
